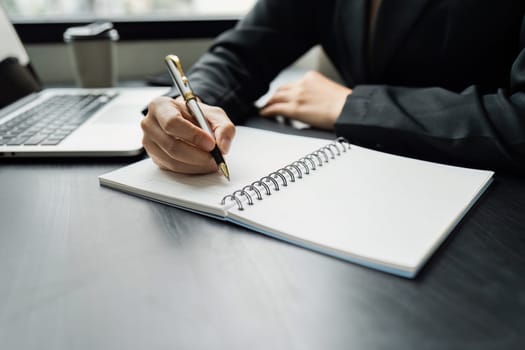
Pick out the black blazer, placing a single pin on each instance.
(444, 80)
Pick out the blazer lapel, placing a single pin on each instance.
(394, 20)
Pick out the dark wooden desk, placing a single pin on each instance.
(86, 267)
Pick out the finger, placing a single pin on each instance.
(164, 161)
(280, 96)
(287, 109)
(222, 126)
(181, 105)
(175, 148)
(286, 87)
(174, 119)
(225, 134)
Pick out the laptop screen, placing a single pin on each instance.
(16, 76)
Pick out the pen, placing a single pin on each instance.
(183, 85)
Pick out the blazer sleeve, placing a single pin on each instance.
(241, 63)
(472, 127)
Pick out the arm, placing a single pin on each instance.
(470, 128)
(242, 62)
(236, 70)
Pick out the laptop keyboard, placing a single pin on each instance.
(52, 120)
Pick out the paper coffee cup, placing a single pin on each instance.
(92, 50)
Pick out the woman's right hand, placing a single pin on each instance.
(175, 142)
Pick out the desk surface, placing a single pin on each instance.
(86, 267)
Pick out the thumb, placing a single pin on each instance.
(222, 126)
(224, 134)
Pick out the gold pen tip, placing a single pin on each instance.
(224, 170)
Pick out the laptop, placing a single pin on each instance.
(67, 122)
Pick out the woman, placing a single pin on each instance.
(442, 80)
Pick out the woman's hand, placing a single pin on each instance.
(315, 100)
(175, 142)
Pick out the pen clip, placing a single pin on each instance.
(180, 79)
(178, 65)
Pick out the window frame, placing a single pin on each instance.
(34, 31)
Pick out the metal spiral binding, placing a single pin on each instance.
(310, 160)
(277, 174)
(289, 173)
(272, 180)
(233, 198)
(264, 185)
(289, 168)
(254, 189)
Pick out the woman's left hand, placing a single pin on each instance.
(314, 100)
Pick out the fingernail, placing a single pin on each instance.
(226, 143)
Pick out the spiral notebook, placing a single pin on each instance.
(379, 210)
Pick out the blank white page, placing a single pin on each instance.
(370, 207)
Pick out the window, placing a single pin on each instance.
(44, 21)
(128, 9)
